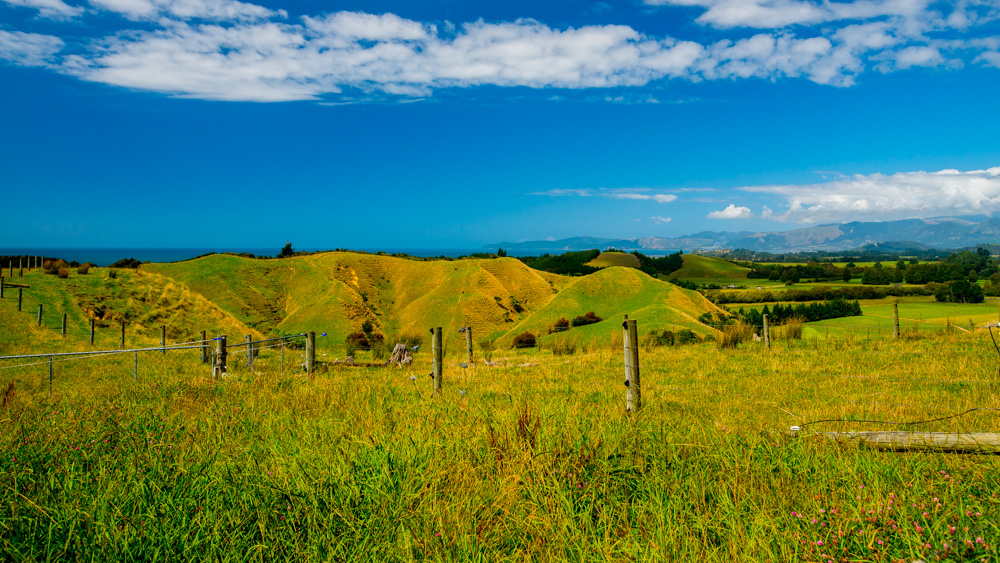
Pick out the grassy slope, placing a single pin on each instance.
(611, 293)
(145, 301)
(607, 259)
(336, 292)
(703, 268)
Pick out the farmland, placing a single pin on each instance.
(528, 457)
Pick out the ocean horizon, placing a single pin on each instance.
(103, 257)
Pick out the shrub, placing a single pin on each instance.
(687, 336)
(587, 319)
(127, 263)
(84, 269)
(561, 325)
(358, 340)
(52, 267)
(112, 274)
(63, 273)
(516, 305)
(665, 338)
(524, 340)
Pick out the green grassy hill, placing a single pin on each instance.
(704, 269)
(608, 259)
(612, 293)
(145, 301)
(337, 292)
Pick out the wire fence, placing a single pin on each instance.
(48, 372)
(818, 378)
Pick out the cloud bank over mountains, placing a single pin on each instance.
(239, 51)
(879, 197)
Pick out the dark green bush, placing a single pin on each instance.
(587, 319)
(524, 340)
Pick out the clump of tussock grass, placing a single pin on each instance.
(733, 334)
(791, 329)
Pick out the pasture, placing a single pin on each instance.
(530, 458)
(606, 259)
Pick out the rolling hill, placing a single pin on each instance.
(336, 292)
(612, 293)
(607, 259)
(704, 269)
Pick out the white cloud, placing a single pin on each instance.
(918, 56)
(782, 13)
(753, 13)
(886, 197)
(225, 10)
(658, 198)
(731, 212)
(53, 9)
(660, 220)
(616, 193)
(560, 192)
(28, 49)
(249, 55)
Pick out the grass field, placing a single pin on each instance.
(146, 457)
(916, 315)
(606, 259)
(533, 458)
(702, 269)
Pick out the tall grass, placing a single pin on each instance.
(534, 459)
(734, 334)
(791, 329)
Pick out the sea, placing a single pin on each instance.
(107, 256)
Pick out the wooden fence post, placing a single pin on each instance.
(634, 393)
(1, 286)
(895, 320)
(219, 367)
(163, 338)
(20, 267)
(625, 348)
(468, 342)
(438, 353)
(767, 334)
(310, 352)
(20, 297)
(92, 321)
(123, 335)
(250, 352)
(39, 314)
(204, 348)
(64, 324)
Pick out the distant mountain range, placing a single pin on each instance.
(939, 232)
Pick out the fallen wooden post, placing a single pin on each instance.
(973, 442)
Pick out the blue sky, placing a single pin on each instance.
(446, 124)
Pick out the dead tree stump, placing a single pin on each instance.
(400, 356)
